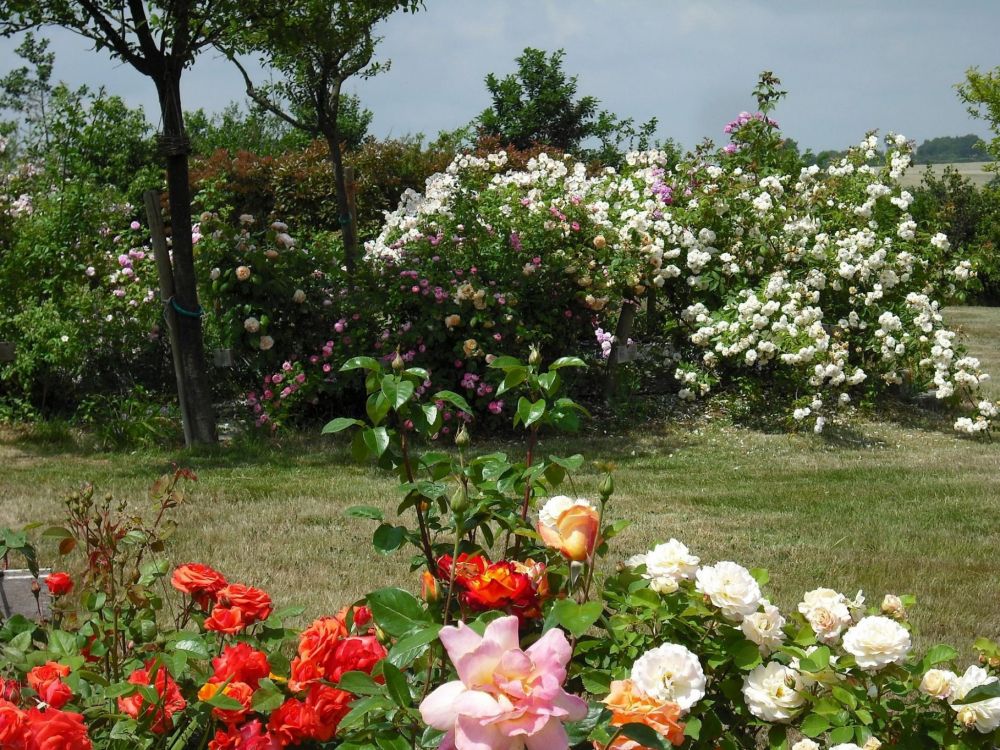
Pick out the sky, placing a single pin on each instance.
(849, 66)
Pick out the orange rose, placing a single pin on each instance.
(199, 581)
(238, 691)
(500, 586)
(572, 527)
(629, 705)
(56, 730)
(428, 587)
(320, 638)
(228, 620)
(241, 663)
(52, 671)
(254, 603)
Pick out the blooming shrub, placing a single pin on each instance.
(817, 284)
(517, 641)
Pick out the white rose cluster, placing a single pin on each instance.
(667, 565)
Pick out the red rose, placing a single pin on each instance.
(199, 581)
(241, 663)
(170, 702)
(355, 617)
(466, 566)
(293, 722)
(304, 673)
(13, 726)
(56, 730)
(318, 640)
(227, 620)
(59, 584)
(500, 586)
(51, 671)
(359, 653)
(55, 693)
(331, 706)
(250, 736)
(10, 690)
(254, 603)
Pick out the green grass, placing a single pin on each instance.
(898, 504)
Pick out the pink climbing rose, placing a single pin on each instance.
(505, 698)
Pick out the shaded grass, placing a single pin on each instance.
(884, 506)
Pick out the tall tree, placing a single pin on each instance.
(317, 45)
(981, 93)
(537, 105)
(159, 39)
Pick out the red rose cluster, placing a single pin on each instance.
(158, 714)
(511, 586)
(46, 726)
(327, 649)
(232, 607)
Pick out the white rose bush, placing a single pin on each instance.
(756, 276)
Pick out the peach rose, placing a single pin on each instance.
(570, 526)
(629, 705)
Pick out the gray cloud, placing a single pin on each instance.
(849, 66)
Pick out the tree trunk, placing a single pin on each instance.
(191, 350)
(349, 231)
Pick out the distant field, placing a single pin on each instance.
(971, 170)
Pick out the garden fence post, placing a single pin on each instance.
(158, 238)
(623, 331)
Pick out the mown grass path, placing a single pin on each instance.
(898, 505)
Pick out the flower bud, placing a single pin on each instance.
(462, 437)
(892, 606)
(607, 488)
(994, 662)
(534, 356)
(398, 363)
(429, 587)
(966, 717)
(460, 500)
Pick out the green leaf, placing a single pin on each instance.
(530, 412)
(760, 575)
(450, 397)
(571, 463)
(358, 363)
(398, 391)
(120, 690)
(745, 655)
(692, 727)
(814, 725)
(339, 424)
(576, 618)
(513, 378)
(817, 661)
(389, 538)
(845, 697)
(219, 700)
(840, 735)
(408, 648)
(365, 511)
(377, 407)
(193, 647)
(939, 654)
(376, 440)
(359, 683)
(644, 736)
(505, 363)
(396, 611)
(981, 693)
(267, 697)
(395, 682)
(567, 362)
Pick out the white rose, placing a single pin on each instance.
(731, 588)
(877, 642)
(556, 506)
(773, 692)
(266, 342)
(667, 565)
(827, 613)
(892, 606)
(938, 683)
(214, 274)
(299, 297)
(670, 674)
(846, 746)
(251, 325)
(765, 628)
(805, 744)
(984, 715)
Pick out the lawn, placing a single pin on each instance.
(894, 504)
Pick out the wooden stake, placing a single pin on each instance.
(158, 237)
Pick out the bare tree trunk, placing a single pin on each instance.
(191, 350)
(626, 320)
(348, 230)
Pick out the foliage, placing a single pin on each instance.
(947, 149)
(537, 105)
(515, 637)
(981, 93)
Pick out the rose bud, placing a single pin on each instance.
(570, 526)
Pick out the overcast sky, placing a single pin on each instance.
(848, 65)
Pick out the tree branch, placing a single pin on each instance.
(266, 103)
(112, 37)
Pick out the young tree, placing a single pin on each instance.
(159, 39)
(538, 106)
(25, 92)
(981, 92)
(317, 45)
